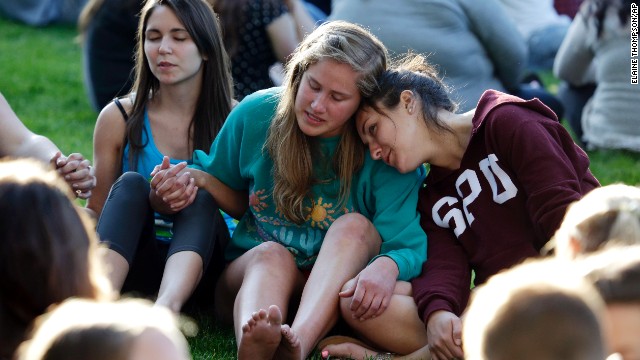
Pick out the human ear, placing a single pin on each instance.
(408, 100)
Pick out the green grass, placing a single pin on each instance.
(41, 77)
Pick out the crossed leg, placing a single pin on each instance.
(408, 338)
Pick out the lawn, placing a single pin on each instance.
(41, 77)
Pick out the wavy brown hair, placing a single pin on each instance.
(345, 43)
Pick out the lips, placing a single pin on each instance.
(312, 118)
(165, 65)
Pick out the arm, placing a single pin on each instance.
(304, 24)
(442, 290)
(178, 178)
(574, 60)
(108, 146)
(18, 141)
(233, 202)
(288, 30)
(392, 199)
(501, 39)
(389, 199)
(551, 169)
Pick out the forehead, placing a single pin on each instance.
(163, 16)
(366, 113)
(334, 75)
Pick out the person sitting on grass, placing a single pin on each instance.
(615, 272)
(316, 210)
(127, 329)
(48, 251)
(181, 97)
(607, 216)
(537, 310)
(500, 179)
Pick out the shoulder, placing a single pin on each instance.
(260, 104)
(111, 119)
(254, 113)
(496, 107)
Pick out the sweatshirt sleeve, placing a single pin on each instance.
(223, 160)
(551, 169)
(240, 140)
(445, 281)
(391, 200)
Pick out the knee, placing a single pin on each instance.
(204, 200)
(130, 188)
(132, 183)
(273, 255)
(352, 229)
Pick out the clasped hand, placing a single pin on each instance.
(172, 186)
(77, 172)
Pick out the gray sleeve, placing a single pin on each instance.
(574, 59)
(501, 39)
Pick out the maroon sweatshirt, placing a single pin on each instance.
(520, 172)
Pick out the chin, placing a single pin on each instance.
(404, 168)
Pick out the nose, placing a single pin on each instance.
(318, 103)
(165, 46)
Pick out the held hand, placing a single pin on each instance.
(373, 289)
(444, 331)
(165, 172)
(165, 165)
(78, 173)
(172, 186)
(181, 194)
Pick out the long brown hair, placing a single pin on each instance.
(48, 248)
(345, 43)
(216, 95)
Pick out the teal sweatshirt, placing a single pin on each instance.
(378, 192)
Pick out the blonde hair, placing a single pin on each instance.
(291, 150)
(606, 216)
(615, 272)
(85, 329)
(541, 309)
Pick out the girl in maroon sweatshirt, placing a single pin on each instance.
(501, 177)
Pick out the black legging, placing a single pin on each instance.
(126, 225)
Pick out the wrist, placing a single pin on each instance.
(387, 265)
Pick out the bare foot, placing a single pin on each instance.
(348, 350)
(290, 347)
(343, 347)
(261, 335)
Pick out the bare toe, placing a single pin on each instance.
(261, 334)
(290, 347)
